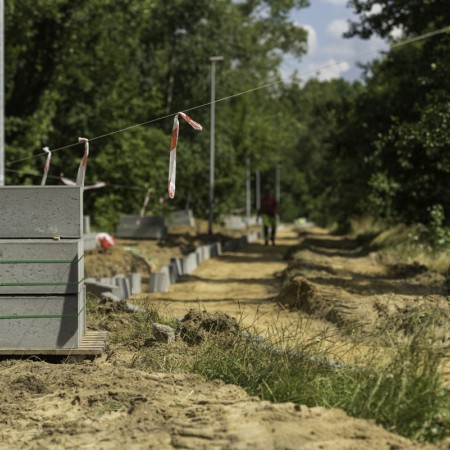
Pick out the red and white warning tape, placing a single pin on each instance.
(69, 182)
(82, 169)
(146, 200)
(98, 185)
(47, 165)
(173, 149)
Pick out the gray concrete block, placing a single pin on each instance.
(199, 255)
(150, 227)
(124, 286)
(174, 274)
(147, 221)
(252, 237)
(135, 280)
(41, 266)
(179, 265)
(42, 322)
(82, 322)
(137, 232)
(86, 224)
(90, 242)
(97, 289)
(181, 218)
(107, 280)
(109, 296)
(234, 222)
(206, 252)
(189, 263)
(159, 282)
(215, 250)
(41, 212)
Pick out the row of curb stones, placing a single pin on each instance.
(121, 287)
(170, 274)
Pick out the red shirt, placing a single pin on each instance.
(268, 206)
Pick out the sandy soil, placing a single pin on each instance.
(103, 404)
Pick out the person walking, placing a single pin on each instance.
(268, 212)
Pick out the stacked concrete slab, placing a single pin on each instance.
(42, 295)
(235, 222)
(183, 217)
(134, 227)
(121, 286)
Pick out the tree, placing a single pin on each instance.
(402, 113)
(83, 68)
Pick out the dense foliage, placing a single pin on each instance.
(87, 68)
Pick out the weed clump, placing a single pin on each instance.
(402, 392)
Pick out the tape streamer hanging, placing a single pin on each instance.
(69, 182)
(173, 149)
(83, 165)
(47, 165)
(146, 200)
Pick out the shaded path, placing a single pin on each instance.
(241, 283)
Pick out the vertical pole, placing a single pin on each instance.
(277, 188)
(2, 97)
(248, 193)
(258, 190)
(213, 60)
(212, 146)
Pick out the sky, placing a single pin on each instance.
(326, 21)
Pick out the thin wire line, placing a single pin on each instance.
(54, 177)
(273, 83)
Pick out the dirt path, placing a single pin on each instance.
(105, 404)
(242, 284)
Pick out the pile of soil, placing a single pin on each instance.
(196, 326)
(103, 406)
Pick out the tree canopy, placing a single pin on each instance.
(91, 68)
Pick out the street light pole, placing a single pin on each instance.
(258, 190)
(213, 60)
(2, 98)
(277, 188)
(248, 193)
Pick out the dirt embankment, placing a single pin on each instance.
(102, 406)
(334, 278)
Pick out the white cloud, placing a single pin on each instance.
(328, 70)
(336, 2)
(337, 28)
(312, 38)
(376, 9)
(343, 50)
(396, 33)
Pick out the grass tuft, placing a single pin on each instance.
(403, 392)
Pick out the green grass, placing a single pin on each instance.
(402, 393)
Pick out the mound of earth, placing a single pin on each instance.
(195, 326)
(101, 406)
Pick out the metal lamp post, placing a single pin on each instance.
(214, 60)
(2, 100)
